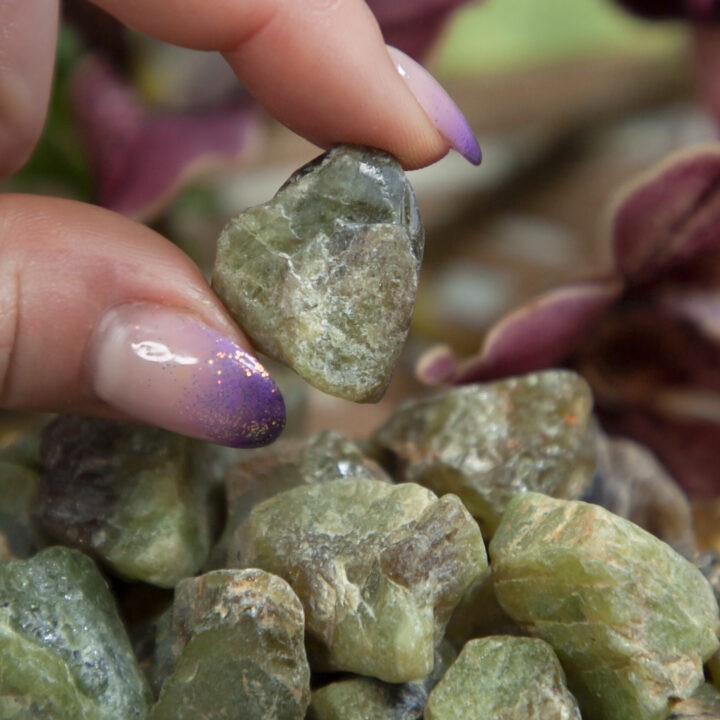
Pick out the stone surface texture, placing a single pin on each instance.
(323, 277)
(233, 648)
(362, 698)
(63, 650)
(631, 620)
(485, 443)
(320, 458)
(378, 568)
(127, 494)
(630, 482)
(513, 678)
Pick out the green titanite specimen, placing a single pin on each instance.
(378, 568)
(631, 620)
(513, 678)
(485, 443)
(233, 648)
(363, 698)
(63, 650)
(630, 482)
(324, 276)
(323, 457)
(127, 494)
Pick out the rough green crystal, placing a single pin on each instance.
(63, 650)
(234, 649)
(513, 678)
(630, 482)
(363, 698)
(127, 494)
(631, 620)
(378, 568)
(259, 475)
(485, 443)
(324, 276)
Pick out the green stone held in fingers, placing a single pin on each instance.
(323, 277)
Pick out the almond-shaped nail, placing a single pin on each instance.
(438, 106)
(168, 368)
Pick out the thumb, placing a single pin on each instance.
(100, 315)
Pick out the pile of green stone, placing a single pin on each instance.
(144, 575)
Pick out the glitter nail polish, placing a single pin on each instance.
(168, 368)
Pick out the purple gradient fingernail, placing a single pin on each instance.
(438, 106)
(167, 368)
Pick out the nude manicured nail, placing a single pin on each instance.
(168, 368)
(438, 106)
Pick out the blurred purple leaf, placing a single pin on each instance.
(669, 217)
(648, 338)
(141, 157)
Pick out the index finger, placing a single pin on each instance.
(320, 66)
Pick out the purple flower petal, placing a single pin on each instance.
(543, 333)
(669, 217)
(141, 159)
(437, 366)
(699, 307)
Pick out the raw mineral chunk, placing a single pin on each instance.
(485, 443)
(324, 276)
(126, 494)
(323, 457)
(363, 698)
(513, 678)
(378, 568)
(234, 648)
(63, 650)
(630, 619)
(630, 482)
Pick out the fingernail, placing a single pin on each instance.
(169, 369)
(438, 106)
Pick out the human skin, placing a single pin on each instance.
(77, 281)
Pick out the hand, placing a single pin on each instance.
(100, 315)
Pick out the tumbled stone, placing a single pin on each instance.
(713, 669)
(378, 568)
(631, 620)
(323, 277)
(127, 494)
(513, 678)
(259, 475)
(630, 482)
(363, 698)
(63, 650)
(709, 565)
(703, 705)
(485, 443)
(234, 649)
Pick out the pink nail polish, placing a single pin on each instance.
(168, 368)
(438, 106)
